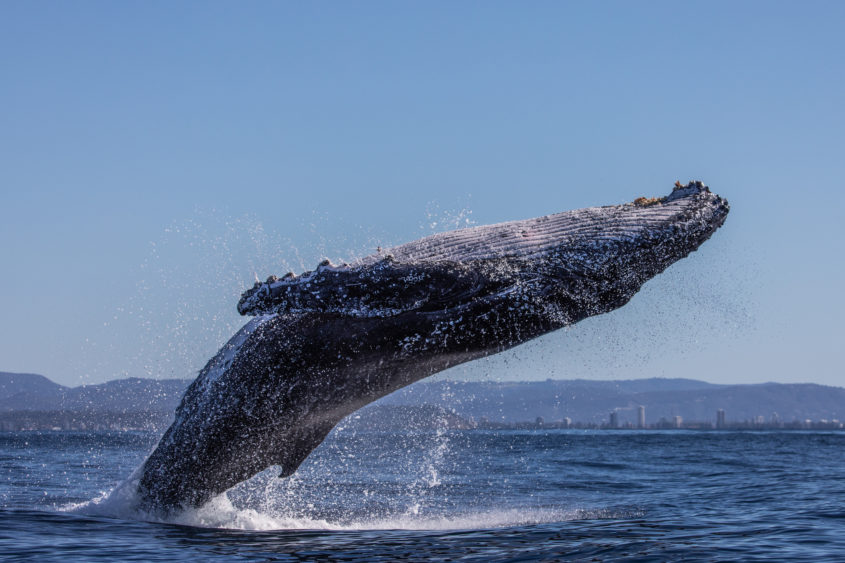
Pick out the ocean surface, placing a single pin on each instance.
(448, 495)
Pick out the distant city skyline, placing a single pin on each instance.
(157, 157)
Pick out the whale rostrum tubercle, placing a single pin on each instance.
(324, 344)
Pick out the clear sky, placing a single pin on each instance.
(154, 155)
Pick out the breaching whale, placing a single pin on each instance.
(323, 344)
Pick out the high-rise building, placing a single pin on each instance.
(677, 421)
(720, 418)
(614, 419)
(641, 417)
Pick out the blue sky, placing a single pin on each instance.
(154, 155)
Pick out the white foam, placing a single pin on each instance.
(221, 513)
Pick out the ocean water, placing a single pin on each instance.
(451, 495)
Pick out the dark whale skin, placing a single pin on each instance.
(333, 340)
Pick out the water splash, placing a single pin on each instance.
(178, 307)
(438, 220)
(223, 513)
(358, 480)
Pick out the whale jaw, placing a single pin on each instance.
(328, 342)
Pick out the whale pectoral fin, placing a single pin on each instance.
(300, 447)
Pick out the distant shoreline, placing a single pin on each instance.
(373, 420)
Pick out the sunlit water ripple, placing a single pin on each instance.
(459, 495)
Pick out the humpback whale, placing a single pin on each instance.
(323, 344)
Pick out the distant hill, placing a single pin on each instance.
(32, 392)
(129, 395)
(29, 391)
(14, 383)
(507, 402)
